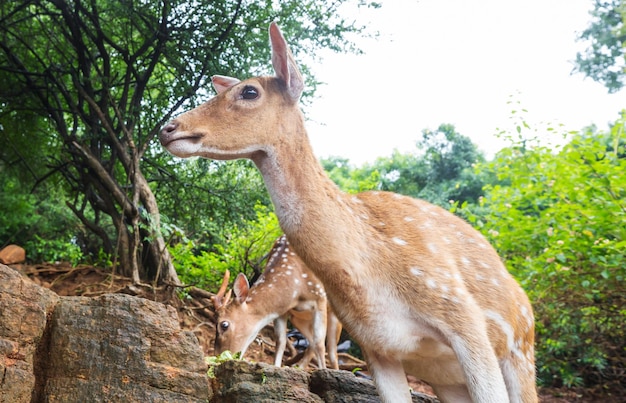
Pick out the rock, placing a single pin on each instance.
(24, 309)
(121, 348)
(12, 254)
(344, 387)
(238, 381)
(77, 349)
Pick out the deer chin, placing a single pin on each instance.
(210, 152)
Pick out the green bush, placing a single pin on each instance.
(42, 225)
(244, 251)
(558, 219)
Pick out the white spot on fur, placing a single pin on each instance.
(506, 328)
(416, 272)
(399, 241)
(432, 247)
(431, 283)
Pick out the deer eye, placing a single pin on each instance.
(249, 92)
(224, 325)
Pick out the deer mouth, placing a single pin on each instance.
(167, 139)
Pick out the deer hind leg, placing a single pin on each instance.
(483, 376)
(280, 335)
(519, 376)
(312, 325)
(389, 377)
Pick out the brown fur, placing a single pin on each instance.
(287, 289)
(420, 289)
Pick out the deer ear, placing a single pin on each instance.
(241, 288)
(284, 65)
(222, 83)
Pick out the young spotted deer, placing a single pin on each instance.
(287, 289)
(418, 288)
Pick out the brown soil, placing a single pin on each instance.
(195, 311)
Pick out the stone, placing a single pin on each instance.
(344, 387)
(24, 310)
(238, 381)
(12, 254)
(121, 348)
(118, 347)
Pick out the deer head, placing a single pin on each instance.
(252, 103)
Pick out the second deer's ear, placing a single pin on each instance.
(241, 288)
(222, 83)
(284, 65)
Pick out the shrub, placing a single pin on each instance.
(559, 222)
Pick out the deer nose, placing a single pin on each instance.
(167, 132)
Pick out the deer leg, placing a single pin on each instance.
(483, 376)
(452, 393)
(519, 376)
(389, 377)
(280, 334)
(333, 333)
(312, 325)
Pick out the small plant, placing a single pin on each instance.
(212, 361)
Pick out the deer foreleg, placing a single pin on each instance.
(389, 377)
(333, 333)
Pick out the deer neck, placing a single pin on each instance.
(309, 206)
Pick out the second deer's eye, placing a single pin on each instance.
(224, 325)
(249, 92)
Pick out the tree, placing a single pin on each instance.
(100, 78)
(441, 171)
(605, 58)
(449, 157)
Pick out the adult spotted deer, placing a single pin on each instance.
(419, 289)
(287, 289)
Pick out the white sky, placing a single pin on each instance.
(458, 62)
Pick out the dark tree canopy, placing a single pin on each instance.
(86, 85)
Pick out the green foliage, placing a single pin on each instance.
(85, 87)
(244, 250)
(604, 60)
(349, 178)
(441, 171)
(206, 197)
(45, 228)
(557, 219)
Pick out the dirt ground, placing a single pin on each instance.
(196, 314)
